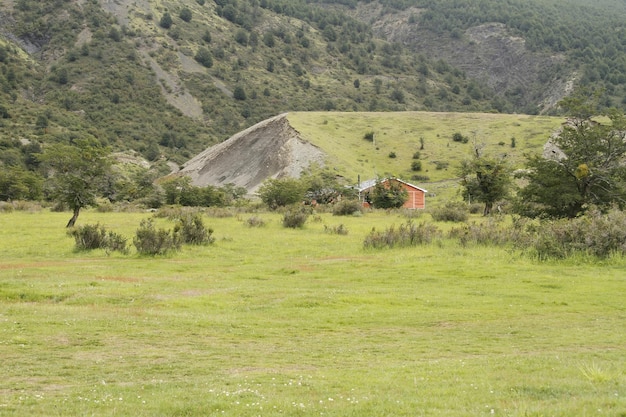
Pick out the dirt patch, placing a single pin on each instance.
(269, 149)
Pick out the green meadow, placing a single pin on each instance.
(341, 136)
(269, 321)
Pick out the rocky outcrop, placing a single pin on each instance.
(269, 149)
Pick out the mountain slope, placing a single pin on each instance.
(165, 79)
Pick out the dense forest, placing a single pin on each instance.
(161, 82)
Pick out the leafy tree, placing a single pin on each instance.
(180, 191)
(485, 180)
(388, 194)
(18, 184)
(322, 185)
(590, 170)
(77, 174)
(282, 192)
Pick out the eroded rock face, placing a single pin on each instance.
(269, 149)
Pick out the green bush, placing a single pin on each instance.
(255, 221)
(150, 241)
(451, 212)
(95, 236)
(192, 231)
(596, 234)
(416, 166)
(282, 192)
(295, 217)
(408, 234)
(347, 208)
(185, 14)
(166, 21)
(369, 136)
(490, 232)
(458, 137)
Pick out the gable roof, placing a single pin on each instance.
(364, 185)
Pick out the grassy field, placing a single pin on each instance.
(270, 321)
(341, 135)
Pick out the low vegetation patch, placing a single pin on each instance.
(192, 230)
(255, 221)
(454, 211)
(339, 229)
(295, 217)
(95, 236)
(596, 234)
(152, 241)
(407, 234)
(347, 208)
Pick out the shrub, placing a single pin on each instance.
(282, 192)
(369, 136)
(295, 217)
(255, 221)
(596, 234)
(166, 21)
(458, 137)
(336, 230)
(416, 166)
(239, 93)
(192, 230)
(476, 208)
(175, 212)
(450, 212)
(554, 240)
(185, 14)
(150, 241)
(203, 56)
(347, 208)
(6, 207)
(392, 155)
(417, 155)
(489, 232)
(95, 236)
(439, 165)
(418, 177)
(389, 194)
(408, 234)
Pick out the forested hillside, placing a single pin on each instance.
(165, 79)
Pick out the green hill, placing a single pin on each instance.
(398, 137)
